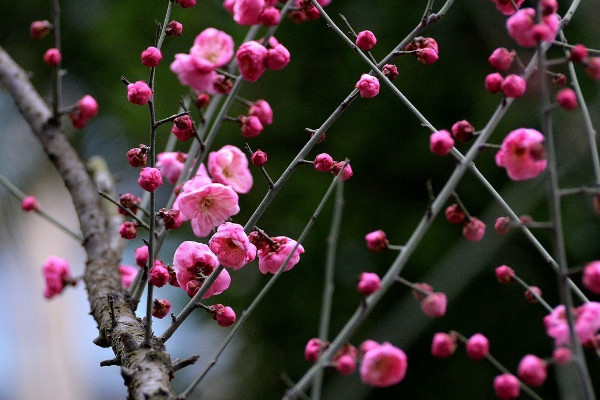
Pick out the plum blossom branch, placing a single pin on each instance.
(125, 209)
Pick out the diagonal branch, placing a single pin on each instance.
(146, 371)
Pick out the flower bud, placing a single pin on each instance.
(434, 305)
(365, 40)
(270, 16)
(251, 126)
(128, 230)
(141, 256)
(567, 99)
(532, 370)
(421, 291)
(578, 53)
(313, 349)
(561, 355)
(225, 316)
(473, 229)
(463, 131)
(443, 345)
(368, 86)
(505, 274)
(150, 179)
(172, 219)
(591, 277)
(183, 128)
(29, 203)
(139, 93)
(346, 173)
(186, 3)
(559, 79)
(39, 29)
(493, 82)
(87, 106)
(159, 274)
(345, 364)
(377, 241)
(259, 158)
(455, 214)
(78, 120)
(52, 57)
(427, 56)
(592, 68)
(513, 86)
(506, 386)
(441, 142)
(502, 225)
(368, 283)
(222, 84)
(390, 71)
(258, 240)
(174, 29)
(252, 60)
(262, 110)
(151, 56)
(202, 100)
(278, 57)
(529, 294)
(501, 59)
(137, 156)
(478, 346)
(130, 202)
(549, 7)
(161, 308)
(323, 162)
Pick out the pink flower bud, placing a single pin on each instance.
(592, 68)
(473, 229)
(228, 6)
(270, 16)
(513, 86)
(186, 3)
(172, 219)
(578, 53)
(376, 241)
(183, 128)
(224, 315)
(383, 365)
(532, 370)
(202, 100)
(323, 162)
(130, 202)
(39, 29)
(561, 355)
(463, 131)
(559, 79)
(128, 230)
(346, 173)
(443, 345)
(29, 203)
(262, 110)
(52, 57)
(365, 40)
(278, 57)
(161, 308)
(506, 7)
(478, 346)
(390, 71)
(591, 277)
(345, 365)
(421, 291)
(174, 29)
(159, 274)
(57, 274)
(151, 56)
(502, 225)
(529, 294)
(368, 283)
(312, 350)
(493, 82)
(259, 158)
(78, 120)
(441, 142)
(427, 56)
(87, 106)
(150, 179)
(222, 84)
(505, 274)
(506, 387)
(368, 86)
(434, 305)
(139, 93)
(501, 59)
(549, 7)
(251, 126)
(567, 99)
(455, 214)
(252, 60)
(312, 14)
(137, 156)
(141, 256)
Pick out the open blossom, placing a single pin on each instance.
(272, 256)
(212, 49)
(170, 164)
(128, 274)
(252, 60)
(193, 262)
(368, 86)
(522, 154)
(229, 166)
(201, 179)
(383, 365)
(231, 245)
(208, 207)
(523, 28)
(247, 12)
(57, 273)
(506, 7)
(587, 323)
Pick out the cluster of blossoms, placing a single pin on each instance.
(253, 12)
(381, 365)
(254, 58)
(425, 49)
(305, 10)
(324, 163)
(512, 86)
(587, 324)
(473, 228)
(441, 142)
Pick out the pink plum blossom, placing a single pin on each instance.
(247, 12)
(587, 323)
(232, 247)
(383, 365)
(129, 230)
(513, 86)
(312, 349)
(251, 126)
(57, 274)
(592, 68)
(365, 40)
(29, 203)
(259, 158)
(224, 315)
(40, 29)
(161, 308)
(159, 274)
(427, 55)
(229, 166)
(443, 345)
(262, 110)
(87, 106)
(323, 162)
(434, 305)
(501, 59)
(556, 326)
(441, 142)
(376, 241)
(473, 229)
(151, 56)
(368, 283)
(505, 274)
(272, 256)
(270, 16)
(463, 131)
(174, 28)
(170, 164)
(522, 154)
(346, 172)
(502, 225)
(139, 93)
(522, 27)
(278, 57)
(150, 179)
(128, 274)
(493, 82)
(368, 86)
(455, 214)
(141, 256)
(506, 7)
(567, 99)
(532, 370)
(591, 277)
(52, 57)
(561, 355)
(208, 207)
(578, 53)
(201, 179)
(186, 3)
(172, 219)
(193, 262)
(478, 346)
(252, 60)
(506, 386)
(345, 364)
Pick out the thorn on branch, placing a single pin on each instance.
(179, 364)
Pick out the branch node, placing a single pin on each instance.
(179, 364)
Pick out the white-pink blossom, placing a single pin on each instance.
(193, 262)
(272, 256)
(229, 166)
(231, 245)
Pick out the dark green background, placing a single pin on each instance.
(389, 153)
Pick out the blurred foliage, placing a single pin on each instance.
(102, 40)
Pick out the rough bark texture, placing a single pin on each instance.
(146, 371)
